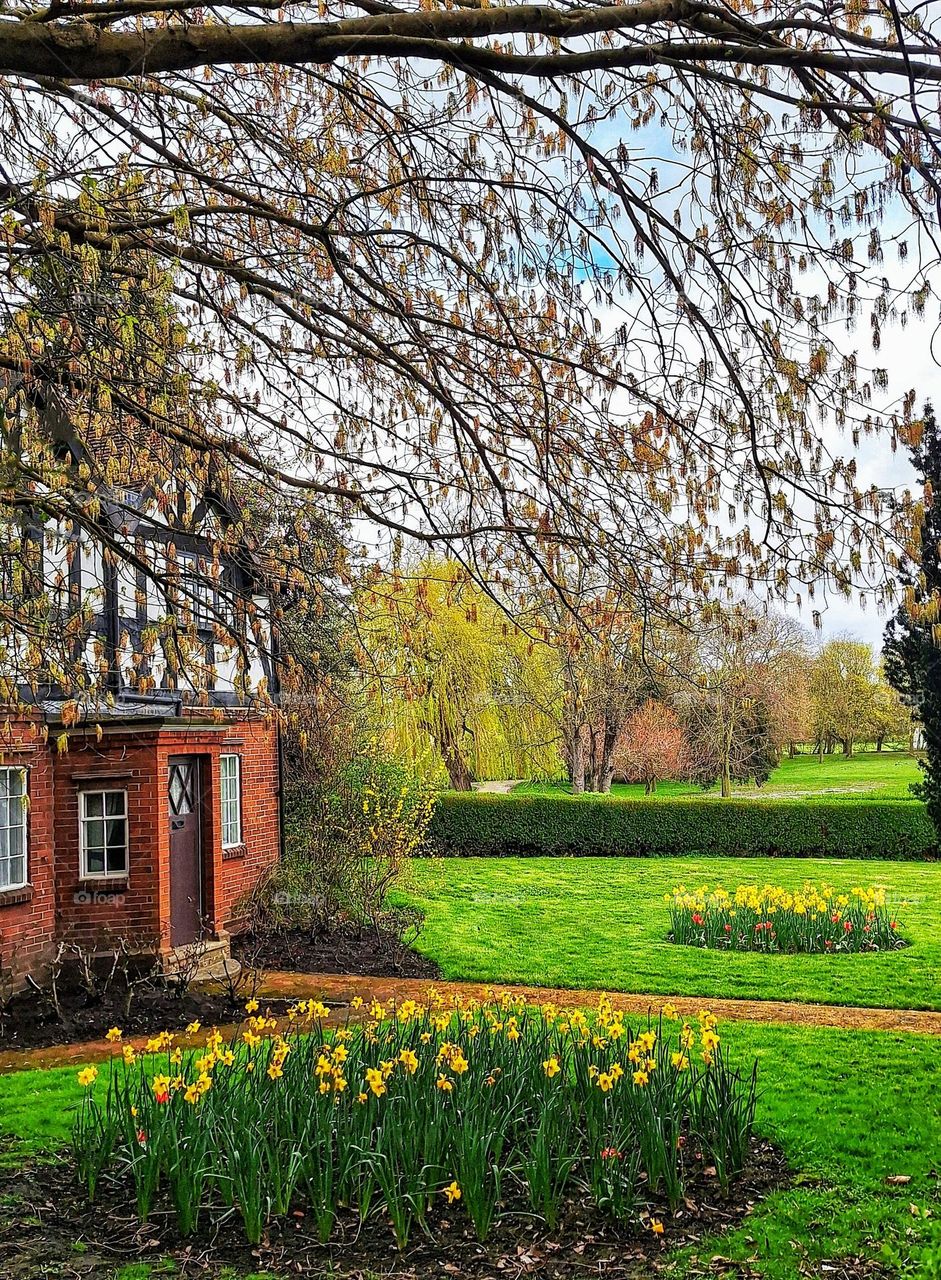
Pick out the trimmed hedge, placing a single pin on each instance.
(494, 825)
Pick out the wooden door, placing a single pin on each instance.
(186, 879)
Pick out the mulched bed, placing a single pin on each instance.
(48, 1229)
(31, 1023)
(351, 949)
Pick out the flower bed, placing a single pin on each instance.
(470, 1105)
(809, 919)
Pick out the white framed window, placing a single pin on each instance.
(103, 833)
(13, 807)
(230, 773)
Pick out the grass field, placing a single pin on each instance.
(850, 1110)
(602, 923)
(874, 775)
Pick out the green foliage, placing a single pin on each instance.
(348, 840)
(449, 675)
(912, 654)
(494, 825)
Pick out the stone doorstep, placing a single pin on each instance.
(215, 962)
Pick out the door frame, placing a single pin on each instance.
(197, 760)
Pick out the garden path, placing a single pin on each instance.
(338, 990)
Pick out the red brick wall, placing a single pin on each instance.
(90, 909)
(62, 905)
(27, 917)
(261, 820)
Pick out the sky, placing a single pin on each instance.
(907, 354)
(911, 355)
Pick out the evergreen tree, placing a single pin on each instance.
(912, 652)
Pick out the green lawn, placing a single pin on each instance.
(602, 923)
(850, 1109)
(870, 775)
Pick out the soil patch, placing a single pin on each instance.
(47, 1225)
(31, 1022)
(349, 949)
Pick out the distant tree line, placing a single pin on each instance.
(452, 681)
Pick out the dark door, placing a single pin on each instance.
(186, 888)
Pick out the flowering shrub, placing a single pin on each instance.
(349, 843)
(464, 1104)
(775, 919)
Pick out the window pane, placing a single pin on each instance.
(94, 834)
(94, 804)
(117, 859)
(229, 770)
(94, 861)
(115, 829)
(16, 840)
(17, 871)
(114, 802)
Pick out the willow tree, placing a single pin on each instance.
(450, 676)
(498, 278)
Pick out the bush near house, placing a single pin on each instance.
(495, 825)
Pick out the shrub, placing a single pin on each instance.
(774, 919)
(483, 824)
(481, 1105)
(349, 842)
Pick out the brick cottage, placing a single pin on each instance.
(147, 810)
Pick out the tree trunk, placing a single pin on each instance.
(792, 749)
(459, 771)
(578, 763)
(727, 762)
(609, 740)
(594, 765)
(879, 741)
(847, 747)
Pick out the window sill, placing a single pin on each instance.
(232, 851)
(14, 897)
(103, 883)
